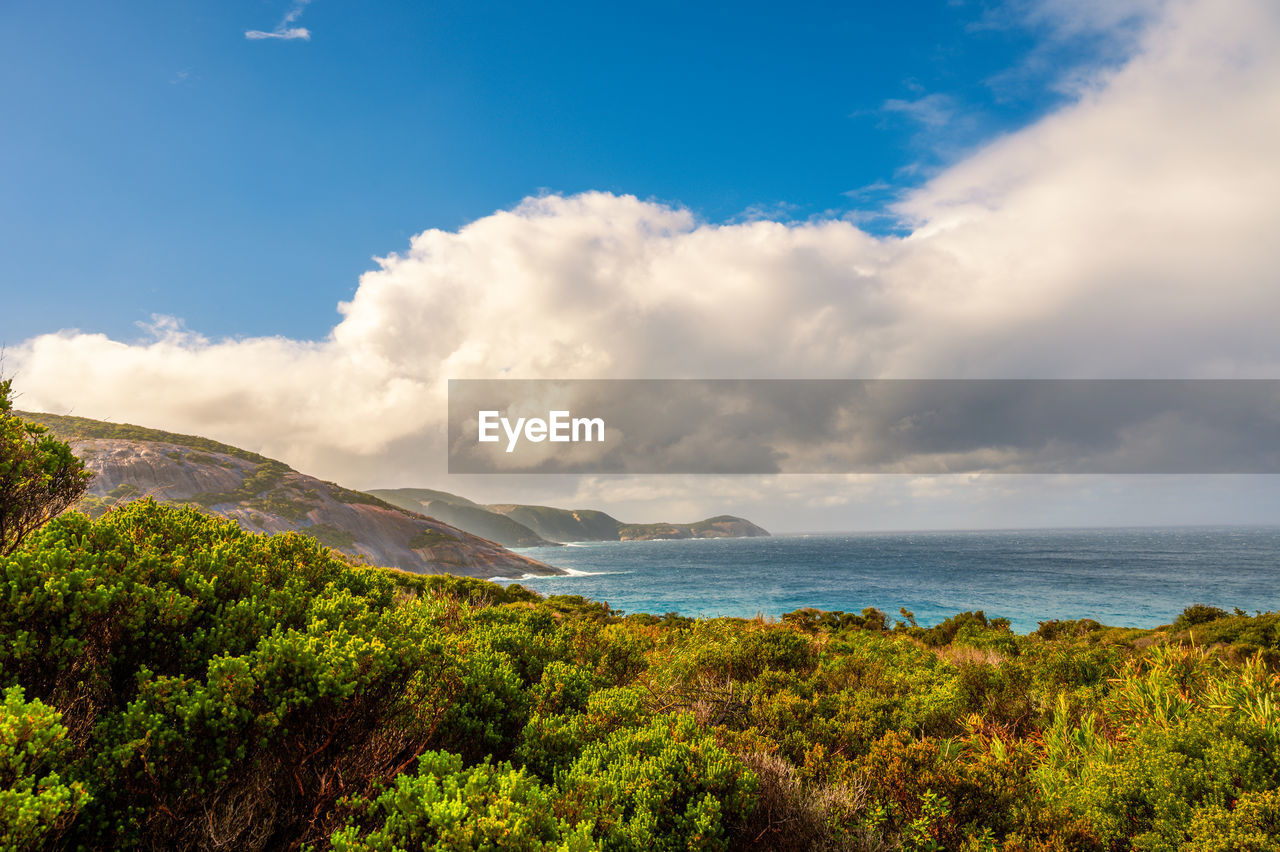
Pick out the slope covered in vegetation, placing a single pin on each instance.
(594, 525)
(521, 525)
(171, 681)
(463, 514)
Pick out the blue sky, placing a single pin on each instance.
(156, 161)
(1023, 189)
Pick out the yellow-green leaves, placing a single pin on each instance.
(36, 804)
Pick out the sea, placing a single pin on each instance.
(1132, 577)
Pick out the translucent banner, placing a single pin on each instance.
(727, 426)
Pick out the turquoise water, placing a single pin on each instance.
(1130, 577)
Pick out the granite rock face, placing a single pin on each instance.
(264, 495)
(270, 498)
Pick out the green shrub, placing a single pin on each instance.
(1250, 824)
(36, 803)
(663, 786)
(971, 625)
(215, 681)
(173, 681)
(444, 806)
(1198, 614)
(551, 742)
(1055, 629)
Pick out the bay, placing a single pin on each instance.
(1134, 577)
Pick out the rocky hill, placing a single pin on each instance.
(465, 515)
(563, 524)
(264, 495)
(721, 526)
(519, 525)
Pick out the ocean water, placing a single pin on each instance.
(1128, 577)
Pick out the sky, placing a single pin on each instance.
(160, 162)
(286, 225)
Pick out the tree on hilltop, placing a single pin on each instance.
(39, 475)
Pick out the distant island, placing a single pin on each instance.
(519, 525)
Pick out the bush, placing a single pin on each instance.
(445, 806)
(663, 786)
(220, 686)
(172, 681)
(36, 803)
(1198, 614)
(39, 475)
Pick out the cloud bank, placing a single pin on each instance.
(1128, 235)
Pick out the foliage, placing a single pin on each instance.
(1244, 634)
(446, 806)
(346, 495)
(264, 477)
(663, 785)
(427, 537)
(39, 475)
(219, 687)
(1198, 614)
(171, 681)
(72, 428)
(285, 502)
(36, 805)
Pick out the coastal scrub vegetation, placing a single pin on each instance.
(68, 427)
(171, 681)
(39, 475)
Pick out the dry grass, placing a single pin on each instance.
(792, 815)
(962, 654)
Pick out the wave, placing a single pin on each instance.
(574, 572)
(568, 572)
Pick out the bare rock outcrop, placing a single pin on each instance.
(264, 495)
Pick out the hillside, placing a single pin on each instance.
(721, 526)
(465, 515)
(264, 495)
(563, 524)
(520, 525)
(592, 525)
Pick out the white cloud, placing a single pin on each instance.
(1073, 18)
(289, 34)
(933, 111)
(283, 30)
(1073, 39)
(1130, 234)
